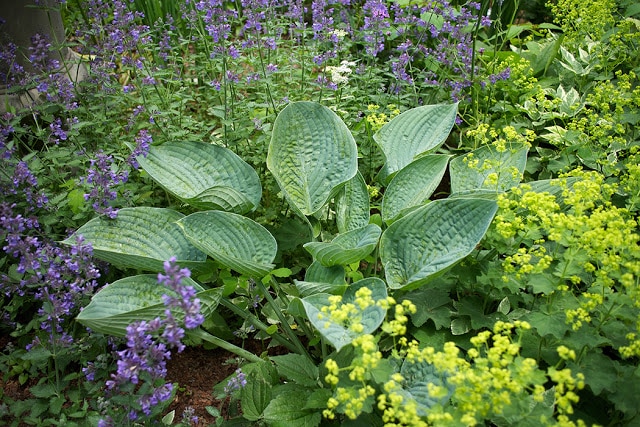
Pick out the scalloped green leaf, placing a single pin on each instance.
(311, 155)
(337, 333)
(141, 238)
(233, 240)
(488, 169)
(413, 133)
(205, 176)
(346, 248)
(432, 238)
(134, 298)
(413, 185)
(352, 205)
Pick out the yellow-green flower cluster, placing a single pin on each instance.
(583, 18)
(501, 139)
(581, 239)
(488, 381)
(376, 118)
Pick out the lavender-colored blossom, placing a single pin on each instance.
(102, 177)
(143, 142)
(236, 382)
(184, 298)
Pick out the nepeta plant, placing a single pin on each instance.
(141, 366)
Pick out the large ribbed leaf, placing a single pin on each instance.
(432, 238)
(319, 273)
(233, 240)
(141, 238)
(134, 298)
(414, 132)
(352, 205)
(488, 169)
(346, 248)
(413, 185)
(339, 333)
(203, 175)
(311, 154)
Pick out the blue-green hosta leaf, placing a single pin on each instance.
(413, 185)
(319, 273)
(203, 175)
(488, 169)
(311, 155)
(141, 238)
(134, 298)
(432, 238)
(413, 133)
(352, 205)
(415, 388)
(311, 288)
(346, 248)
(232, 240)
(340, 334)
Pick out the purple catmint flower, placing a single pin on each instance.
(101, 177)
(149, 344)
(143, 142)
(236, 382)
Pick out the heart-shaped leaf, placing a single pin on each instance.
(352, 205)
(340, 334)
(203, 175)
(233, 240)
(413, 185)
(141, 238)
(346, 248)
(432, 238)
(134, 298)
(414, 132)
(488, 169)
(311, 155)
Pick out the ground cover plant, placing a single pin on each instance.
(425, 213)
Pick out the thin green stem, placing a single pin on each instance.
(204, 335)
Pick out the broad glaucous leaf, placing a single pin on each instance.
(319, 273)
(141, 238)
(413, 133)
(311, 155)
(233, 240)
(306, 289)
(432, 238)
(346, 248)
(413, 185)
(488, 169)
(338, 334)
(352, 205)
(134, 298)
(203, 175)
(415, 387)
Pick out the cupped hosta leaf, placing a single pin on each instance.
(233, 240)
(346, 248)
(203, 175)
(489, 169)
(340, 334)
(432, 238)
(141, 238)
(352, 205)
(415, 389)
(413, 185)
(414, 132)
(134, 298)
(319, 273)
(311, 154)
(311, 288)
